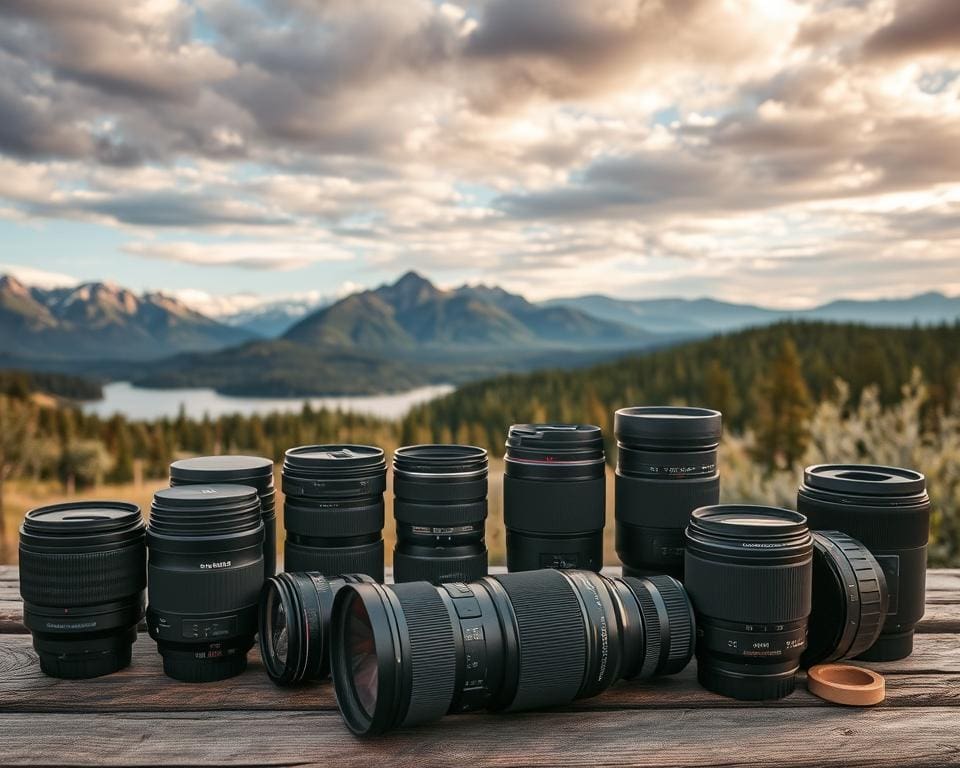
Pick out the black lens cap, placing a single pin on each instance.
(320, 457)
(214, 495)
(864, 479)
(668, 426)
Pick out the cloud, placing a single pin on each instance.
(919, 27)
(40, 278)
(554, 145)
(269, 255)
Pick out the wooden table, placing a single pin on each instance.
(139, 717)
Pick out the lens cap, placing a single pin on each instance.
(222, 469)
(668, 426)
(554, 437)
(318, 457)
(864, 479)
(80, 517)
(205, 495)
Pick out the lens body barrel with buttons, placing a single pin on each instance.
(849, 599)
(887, 509)
(666, 468)
(82, 579)
(554, 496)
(748, 571)
(205, 568)
(410, 653)
(294, 625)
(254, 471)
(440, 506)
(333, 509)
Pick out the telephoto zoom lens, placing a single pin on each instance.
(83, 570)
(666, 468)
(888, 510)
(333, 509)
(748, 572)
(205, 567)
(554, 497)
(440, 505)
(849, 599)
(237, 470)
(410, 653)
(294, 625)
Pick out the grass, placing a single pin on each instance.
(24, 495)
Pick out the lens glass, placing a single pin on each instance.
(362, 654)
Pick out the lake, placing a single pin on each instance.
(139, 403)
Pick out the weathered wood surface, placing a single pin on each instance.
(138, 717)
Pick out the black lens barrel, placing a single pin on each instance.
(205, 545)
(440, 507)
(888, 510)
(333, 509)
(82, 579)
(666, 468)
(254, 471)
(410, 653)
(554, 496)
(748, 571)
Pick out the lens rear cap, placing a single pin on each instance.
(846, 684)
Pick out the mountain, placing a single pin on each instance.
(101, 321)
(706, 316)
(413, 313)
(272, 319)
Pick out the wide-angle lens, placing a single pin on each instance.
(849, 599)
(333, 509)
(666, 468)
(554, 496)
(888, 510)
(748, 572)
(410, 653)
(254, 471)
(83, 571)
(440, 505)
(205, 545)
(294, 624)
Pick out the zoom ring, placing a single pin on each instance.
(662, 503)
(439, 570)
(737, 594)
(82, 578)
(682, 630)
(553, 653)
(416, 513)
(432, 656)
(332, 520)
(331, 561)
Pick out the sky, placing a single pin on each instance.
(780, 152)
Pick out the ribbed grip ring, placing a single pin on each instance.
(433, 658)
(208, 591)
(536, 506)
(551, 636)
(663, 503)
(748, 593)
(682, 624)
(652, 631)
(416, 513)
(70, 579)
(326, 520)
(336, 561)
(439, 570)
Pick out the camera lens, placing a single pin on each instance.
(82, 576)
(294, 625)
(888, 510)
(666, 468)
(410, 653)
(237, 470)
(849, 599)
(205, 545)
(440, 505)
(748, 572)
(554, 496)
(333, 509)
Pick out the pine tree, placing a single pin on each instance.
(782, 411)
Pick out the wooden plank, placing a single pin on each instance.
(930, 677)
(942, 609)
(834, 736)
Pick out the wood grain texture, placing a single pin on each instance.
(679, 737)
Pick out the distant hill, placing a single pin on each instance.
(413, 312)
(273, 319)
(99, 321)
(721, 371)
(707, 316)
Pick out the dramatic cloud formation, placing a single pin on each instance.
(784, 151)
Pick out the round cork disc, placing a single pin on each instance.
(846, 684)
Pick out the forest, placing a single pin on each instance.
(791, 394)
